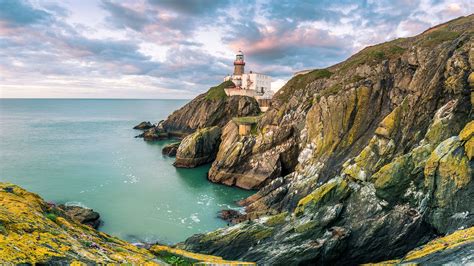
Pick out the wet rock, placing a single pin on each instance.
(170, 149)
(198, 148)
(144, 125)
(82, 215)
(229, 215)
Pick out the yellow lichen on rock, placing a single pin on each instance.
(337, 188)
(456, 239)
(35, 232)
(453, 240)
(203, 258)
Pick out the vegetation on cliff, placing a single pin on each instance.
(218, 92)
(35, 232)
(369, 158)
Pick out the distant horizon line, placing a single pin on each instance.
(38, 98)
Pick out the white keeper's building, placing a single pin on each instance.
(249, 84)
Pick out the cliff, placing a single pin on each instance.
(369, 158)
(212, 108)
(35, 232)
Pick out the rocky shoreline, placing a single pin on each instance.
(369, 158)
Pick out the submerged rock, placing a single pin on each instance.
(144, 125)
(198, 148)
(171, 149)
(82, 215)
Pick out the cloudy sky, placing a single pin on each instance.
(179, 48)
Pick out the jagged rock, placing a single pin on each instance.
(229, 215)
(144, 125)
(454, 249)
(213, 108)
(82, 215)
(383, 148)
(154, 133)
(198, 148)
(208, 110)
(171, 149)
(35, 232)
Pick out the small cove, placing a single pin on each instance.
(84, 152)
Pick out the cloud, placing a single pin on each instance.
(19, 13)
(179, 48)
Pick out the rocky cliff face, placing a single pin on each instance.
(198, 148)
(368, 158)
(213, 108)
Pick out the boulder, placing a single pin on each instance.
(170, 149)
(82, 215)
(198, 148)
(144, 125)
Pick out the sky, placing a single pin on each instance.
(173, 49)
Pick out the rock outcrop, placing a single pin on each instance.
(213, 108)
(369, 158)
(454, 249)
(144, 125)
(198, 148)
(35, 232)
(171, 149)
(82, 215)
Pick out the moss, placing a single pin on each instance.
(306, 227)
(245, 120)
(373, 55)
(448, 170)
(189, 258)
(393, 179)
(332, 190)
(262, 234)
(218, 92)
(52, 217)
(276, 219)
(300, 82)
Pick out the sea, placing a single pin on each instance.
(83, 152)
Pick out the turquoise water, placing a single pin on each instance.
(84, 152)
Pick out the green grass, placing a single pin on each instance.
(51, 216)
(373, 55)
(438, 36)
(3, 230)
(85, 243)
(217, 92)
(174, 259)
(300, 82)
(246, 120)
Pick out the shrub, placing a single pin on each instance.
(52, 216)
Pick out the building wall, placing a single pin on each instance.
(244, 130)
(257, 82)
(242, 92)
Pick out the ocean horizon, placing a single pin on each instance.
(83, 152)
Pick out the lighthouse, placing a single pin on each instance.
(239, 64)
(250, 84)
